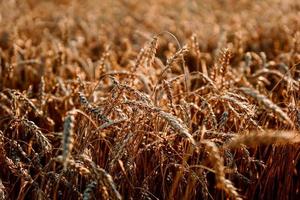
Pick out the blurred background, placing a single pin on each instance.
(214, 22)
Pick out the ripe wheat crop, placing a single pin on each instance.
(158, 99)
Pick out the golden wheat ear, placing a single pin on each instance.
(265, 138)
(267, 103)
(218, 165)
(68, 137)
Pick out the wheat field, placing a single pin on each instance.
(157, 99)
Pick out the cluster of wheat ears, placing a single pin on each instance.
(149, 100)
